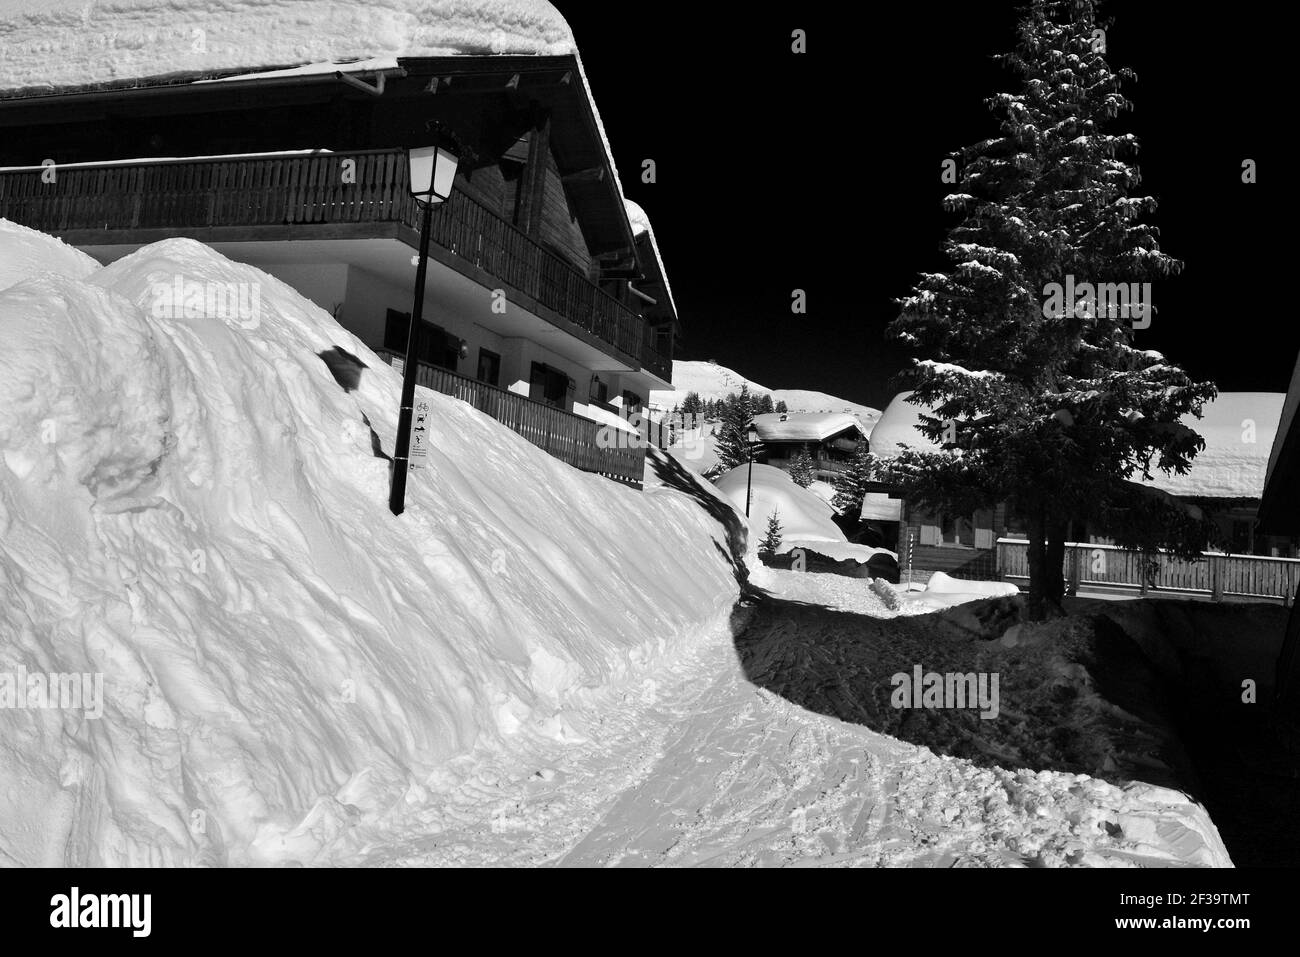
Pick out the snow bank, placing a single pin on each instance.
(61, 43)
(191, 508)
(803, 515)
(945, 584)
(28, 253)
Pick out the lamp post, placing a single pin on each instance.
(749, 483)
(431, 169)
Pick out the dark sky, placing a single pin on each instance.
(821, 171)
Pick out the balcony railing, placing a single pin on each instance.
(279, 190)
(568, 437)
(1215, 575)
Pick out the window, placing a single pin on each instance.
(435, 347)
(549, 385)
(489, 367)
(599, 391)
(956, 531)
(631, 402)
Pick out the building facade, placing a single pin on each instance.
(543, 303)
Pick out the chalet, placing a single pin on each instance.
(546, 295)
(829, 438)
(1226, 482)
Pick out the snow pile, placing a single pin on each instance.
(63, 43)
(28, 253)
(193, 509)
(713, 381)
(802, 514)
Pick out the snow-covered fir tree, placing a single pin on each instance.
(1055, 411)
(851, 484)
(733, 435)
(801, 469)
(772, 536)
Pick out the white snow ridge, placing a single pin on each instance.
(192, 509)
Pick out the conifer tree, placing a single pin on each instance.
(1047, 405)
(801, 469)
(851, 484)
(733, 437)
(772, 537)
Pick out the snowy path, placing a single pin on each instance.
(699, 766)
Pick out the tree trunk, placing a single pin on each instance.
(1047, 536)
(1036, 605)
(1054, 558)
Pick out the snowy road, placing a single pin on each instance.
(700, 766)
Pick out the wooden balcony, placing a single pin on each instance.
(568, 437)
(1217, 576)
(233, 195)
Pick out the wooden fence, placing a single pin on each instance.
(1216, 575)
(568, 437)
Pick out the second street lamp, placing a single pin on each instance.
(432, 170)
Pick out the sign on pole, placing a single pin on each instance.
(419, 453)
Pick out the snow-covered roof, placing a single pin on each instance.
(899, 425)
(803, 426)
(641, 224)
(1238, 429)
(75, 43)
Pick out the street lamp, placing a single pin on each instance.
(749, 484)
(431, 170)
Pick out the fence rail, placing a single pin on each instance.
(1213, 574)
(570, 438)
(279, 190)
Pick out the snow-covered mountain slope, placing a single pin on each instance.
(713, 381)
(192, 508)
(54, 43)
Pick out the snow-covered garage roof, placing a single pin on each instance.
(1238, 429)
(803, 426)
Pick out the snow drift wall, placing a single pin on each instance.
(192, 508)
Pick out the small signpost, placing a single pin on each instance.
(419, 451)
(909, 560)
